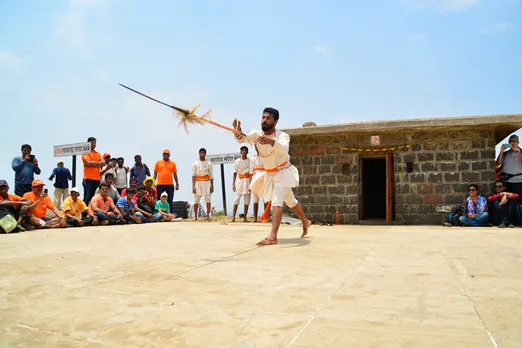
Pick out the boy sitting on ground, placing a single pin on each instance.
(127, 208)
(162, 207)
(72, 209)
(144, 206)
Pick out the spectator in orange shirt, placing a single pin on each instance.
(11, 202)
(40, 202)
(92, 163)
(164, 170)
(102, 206)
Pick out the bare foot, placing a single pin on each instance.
(234, 220)
(253, 221)
(208, 218)
(245, 220)
(306, 225)
(267, 241)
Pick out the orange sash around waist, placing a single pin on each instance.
(260, 169)
(273, 170)
(203, 178)
(244, 176)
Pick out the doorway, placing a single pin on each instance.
(374, 188)
(377, 196)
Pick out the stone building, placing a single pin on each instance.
(403, 172)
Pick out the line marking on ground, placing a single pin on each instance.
(209, 263)
(300, 332)
(332, 295)
(462, 270)
(492, 339)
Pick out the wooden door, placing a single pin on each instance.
(389, 188)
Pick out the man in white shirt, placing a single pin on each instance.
(202, 182)
(120, 175)
(276, 183)
(110, 165)
(241, 186)
(111, 191)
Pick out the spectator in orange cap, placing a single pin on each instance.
(109, 165)
(40, 202)
(11, 202)
(164, 171)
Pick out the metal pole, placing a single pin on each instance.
(223, 188)
(74, 171)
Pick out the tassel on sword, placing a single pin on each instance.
(189, 116)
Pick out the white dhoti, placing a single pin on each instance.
(242, 168)
(246, 198)
(257, 169)
(202, 174)
(276, 182)
(202, 189)
(254, 198)
(242, 190)
(277, 186)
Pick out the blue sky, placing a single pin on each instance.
(322, 61)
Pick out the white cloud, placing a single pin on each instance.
(11, 60)
(321, 49)
(494, 29)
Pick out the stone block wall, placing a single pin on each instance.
(444, 163)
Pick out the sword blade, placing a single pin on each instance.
(157, 101)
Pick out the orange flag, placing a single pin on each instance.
(266, 215)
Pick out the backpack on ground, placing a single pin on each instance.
(7, 221)
(454, 216)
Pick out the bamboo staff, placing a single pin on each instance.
(188, 116)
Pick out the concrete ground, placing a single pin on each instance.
(208, 285)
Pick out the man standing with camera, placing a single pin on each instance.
(510, 158)
(25, 167)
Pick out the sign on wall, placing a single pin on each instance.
(375, 140)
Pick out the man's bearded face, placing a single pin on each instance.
(268, 122)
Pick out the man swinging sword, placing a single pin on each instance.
(279, 177)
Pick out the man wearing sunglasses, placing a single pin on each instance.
(504, 206)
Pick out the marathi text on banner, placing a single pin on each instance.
(72, 149)
(223, 158)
